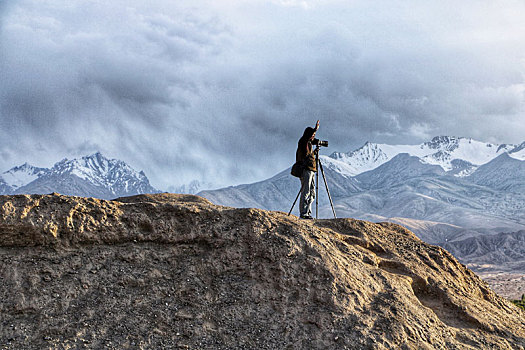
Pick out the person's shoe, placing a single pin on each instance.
(306, 217)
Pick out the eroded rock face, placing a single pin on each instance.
(174, 271)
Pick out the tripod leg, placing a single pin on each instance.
(293, 205)
(327, 190)
(298, 194)
(317, 185)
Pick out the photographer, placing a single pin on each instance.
(306, 155)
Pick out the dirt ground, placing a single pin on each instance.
(508, 285)
(177, 272)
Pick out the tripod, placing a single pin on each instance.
(319, 167)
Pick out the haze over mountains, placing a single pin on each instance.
(89, 176)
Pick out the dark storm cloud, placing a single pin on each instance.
(117, 84)
(221, 92)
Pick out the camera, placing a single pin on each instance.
(319, 143)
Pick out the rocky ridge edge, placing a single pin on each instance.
(330, 283)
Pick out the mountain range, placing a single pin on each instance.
(457, 156)
(450, 191)
(447, 189)
(88, 176)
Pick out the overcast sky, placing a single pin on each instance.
(220, 91)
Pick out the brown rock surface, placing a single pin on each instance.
(175, 271)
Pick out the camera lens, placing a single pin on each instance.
(320, 143)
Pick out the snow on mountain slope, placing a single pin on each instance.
(22, 175)
(98, 170)
(518, 152)
(398, 170)
(193, 187)
(115, 176)
(338, 166)
(406, 186)
(4, 188)
(472, 151)
(89, 176)
(372, 155)
(457, 155)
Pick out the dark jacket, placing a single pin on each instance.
(305, 152)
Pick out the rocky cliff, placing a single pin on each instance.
(175, 271)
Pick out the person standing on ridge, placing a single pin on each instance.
(306, 155)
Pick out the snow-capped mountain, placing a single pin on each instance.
(518, 152)
(21, 175)
(458, 155)
(420, 185)
(89, 176)
(193, 187)
(4, 188)
(112, 174)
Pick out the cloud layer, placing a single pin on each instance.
(221, 91)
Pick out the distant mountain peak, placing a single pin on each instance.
(445, 139)
(503, 172)
(369, 147)
(448, 143)
(92, 175)
(98, 156)
(519, 151)
(25, 166)
(502, 146)
(192, 187)
(458, 155)
(21, 175)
